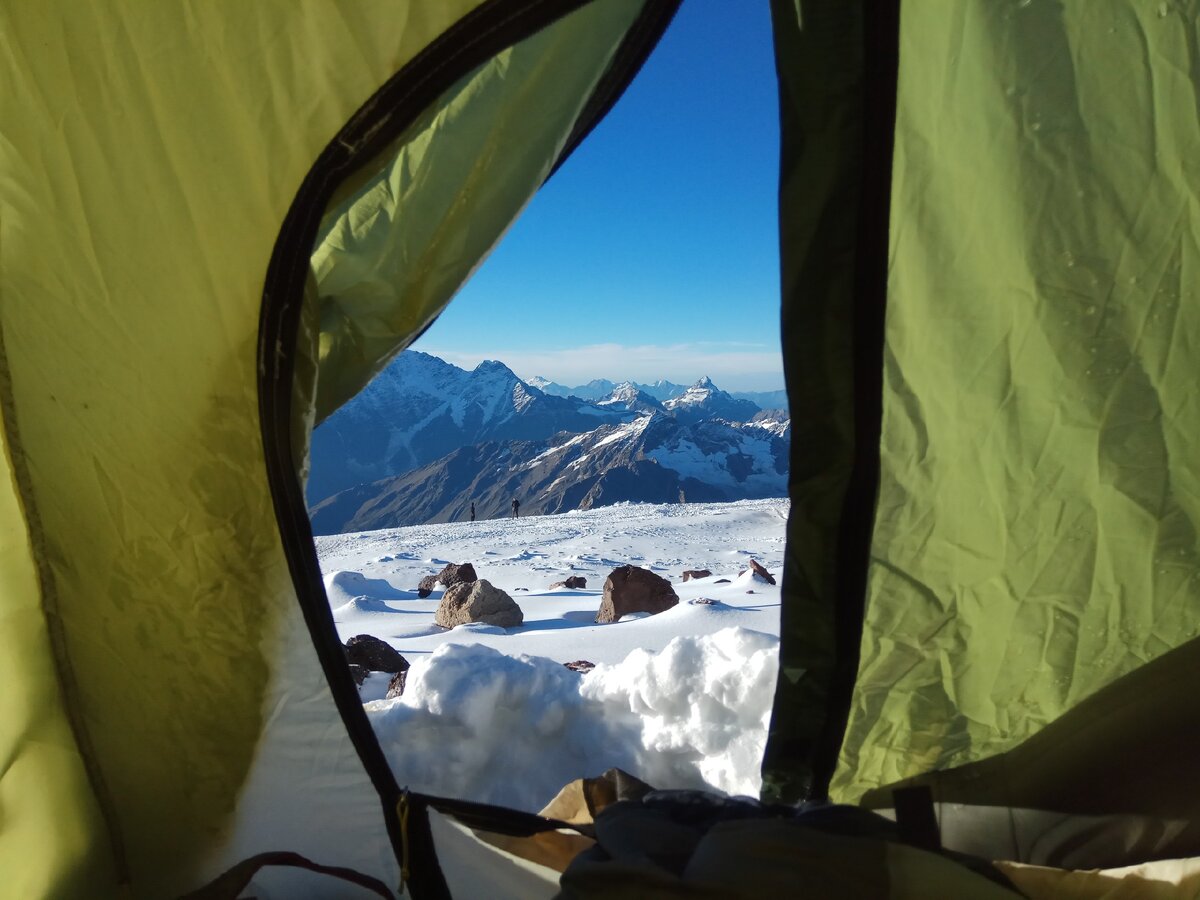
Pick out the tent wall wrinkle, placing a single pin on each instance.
(1037, 525)
(148, 154)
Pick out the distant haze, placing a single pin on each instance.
(734, 366)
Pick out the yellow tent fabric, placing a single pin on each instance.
(148, 156)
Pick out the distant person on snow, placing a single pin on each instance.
(516, 504)
(472, 512)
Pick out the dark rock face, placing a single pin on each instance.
(425, 588)
(396, 685)
(477, 601)
(580, 665)
(696, 573)
(574, 582)
(630, 590)
(412, 401)
(608, 464)
(463, 573)
(358, 673)
(761, 572)
(374, 655)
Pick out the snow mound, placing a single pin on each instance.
(705, 700)
(342, 587)
(481, 628)
(361, 605)
(479, 724)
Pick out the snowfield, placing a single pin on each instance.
(680, 699)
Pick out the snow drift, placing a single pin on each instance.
(512, 730)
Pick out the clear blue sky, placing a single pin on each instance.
(653, 252)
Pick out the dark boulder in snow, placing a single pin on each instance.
(425, 588)
(358, 673)
(457, 574)
(722, 581)
(477, 601)
(574, 582)
(633, 590)
(696, 573)
(374, 655)
(580, 665)
(396, 685)
(761, 573)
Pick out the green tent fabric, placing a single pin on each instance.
(218, 221)
(394, 249)
(1036, 528)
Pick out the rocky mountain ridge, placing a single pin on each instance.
(420, 408)
(660, 390)
(427, 439)
(655, 458)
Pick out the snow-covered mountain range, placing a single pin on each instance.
(661, 391)
(426, 440)
(653, 459)
(421, 408)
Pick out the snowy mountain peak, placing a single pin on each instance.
(494, 367)
(420, 408)
(628, 396)
(705, 400)
(626, 390)
(700, 392)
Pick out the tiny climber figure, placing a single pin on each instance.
(472, 511)
(516, 506)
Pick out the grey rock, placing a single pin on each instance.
(463, 573)
(574, 582)
(630, 589)
(478, 601)
(761, 573)
(374, 655)
(396, 685)
(696, 573)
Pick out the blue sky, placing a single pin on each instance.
(653, 252)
